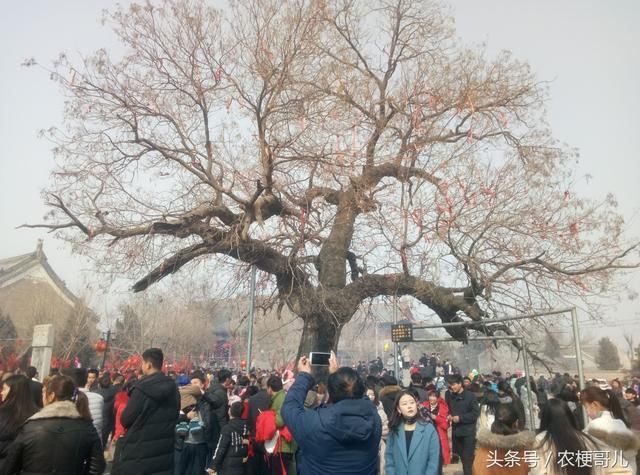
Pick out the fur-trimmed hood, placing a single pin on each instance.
(64, 409)
(388, 390)
(626, 440)
(520, 441)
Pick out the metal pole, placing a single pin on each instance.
(106, 350)
(476, 338)
(375, 330)
(576, 338)
(481, 323)
(252, 300)
(527, 370)
(396, 346)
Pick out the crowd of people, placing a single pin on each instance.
(352, 420)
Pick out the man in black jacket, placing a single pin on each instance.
(261, 401)
(233, 446)
(35, 386)
(108, 392)
(463, 414)
(218, 400)
(150, 418)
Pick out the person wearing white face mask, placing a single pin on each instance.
(609, 425)
(413, 447)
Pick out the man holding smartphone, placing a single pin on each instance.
(341, 438)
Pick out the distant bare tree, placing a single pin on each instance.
(350, 150)
(630, 347)
(8, 336)
(173, 322)
(77, 334)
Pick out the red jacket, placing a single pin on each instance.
(119, 404)
(442, 424)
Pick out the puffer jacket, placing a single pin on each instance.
(232, 450)
(8, 432)
(56, 440)
(546, 451)
(149, 418)
(492, 449)
(218, 401)
(96, 408)
(340, 439)
(383, 441)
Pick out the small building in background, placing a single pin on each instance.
(32, 293)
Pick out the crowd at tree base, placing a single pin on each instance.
(270, 423)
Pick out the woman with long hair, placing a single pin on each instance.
(616, 387)
(17, 407)
(608, 423)
(488, 405)
(372, 394)
(437, 410)
(503, 438)
(570, 396)
(413, 447)
(507, 395)
(523, 392)
(60, 438)
(559, 434)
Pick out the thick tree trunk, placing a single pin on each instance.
(320, 333)
(333, 255)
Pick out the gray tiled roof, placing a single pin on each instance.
(13, 267)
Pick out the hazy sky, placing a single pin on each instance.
(586, 48)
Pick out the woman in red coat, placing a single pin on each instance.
(438, 410)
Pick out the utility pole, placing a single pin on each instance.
(252, 297)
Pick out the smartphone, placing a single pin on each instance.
(317, 358)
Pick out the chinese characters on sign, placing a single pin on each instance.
(580, 459)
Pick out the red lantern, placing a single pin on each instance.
(101, 345)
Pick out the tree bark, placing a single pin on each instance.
(320, 333)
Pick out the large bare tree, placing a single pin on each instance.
(350, 150)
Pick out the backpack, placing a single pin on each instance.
(265, 426)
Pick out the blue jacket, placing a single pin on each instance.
(339, 439)
(424, 452)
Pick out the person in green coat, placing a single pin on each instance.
(280, 459)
